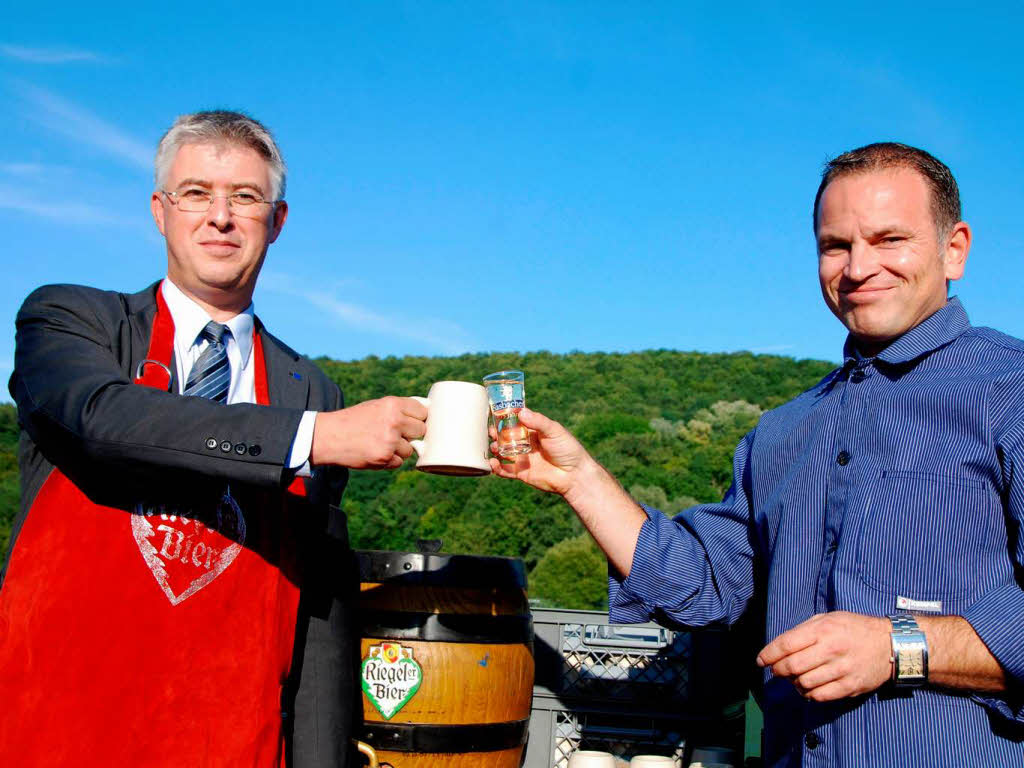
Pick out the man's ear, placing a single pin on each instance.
(958, 245)
(156, 207)
(280, 216)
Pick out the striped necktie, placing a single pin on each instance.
(211, 375)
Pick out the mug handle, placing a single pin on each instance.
(369, 751)
(417, 445)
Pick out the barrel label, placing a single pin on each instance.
(391, 676)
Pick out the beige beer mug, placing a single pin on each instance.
(590, 758)
(456, 442)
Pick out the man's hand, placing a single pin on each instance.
(370, 435)
(832, 655)
(558, 463)
(553, 464)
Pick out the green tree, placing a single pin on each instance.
(572, 574)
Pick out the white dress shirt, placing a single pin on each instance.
(189, 320)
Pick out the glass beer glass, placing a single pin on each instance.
(507, 398)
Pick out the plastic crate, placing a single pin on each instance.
(579, 655)
(556, 732)
(629, 689)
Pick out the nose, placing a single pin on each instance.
(863, 262)
(219, 214)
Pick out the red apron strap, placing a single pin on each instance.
(298, 485)
(155, 370)
(262, 390)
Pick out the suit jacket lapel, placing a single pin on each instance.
(288, 387)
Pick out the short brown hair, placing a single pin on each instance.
(945, 201)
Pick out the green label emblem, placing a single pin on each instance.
(391, 676)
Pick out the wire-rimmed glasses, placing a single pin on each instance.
(245, 203)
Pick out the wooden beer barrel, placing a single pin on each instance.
(447, 659)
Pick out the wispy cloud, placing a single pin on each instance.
(49, 55)
(441, 335)
(772, 349)
(61, 211)
(61, 116)
(31, 170)
(67, 211)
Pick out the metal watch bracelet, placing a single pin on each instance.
(909, 652)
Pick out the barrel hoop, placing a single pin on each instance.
(420, 737)
(448, 627)
(437, 570)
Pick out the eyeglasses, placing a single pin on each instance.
(198, 200)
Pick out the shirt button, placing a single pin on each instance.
(831, 548)
(255, 450)
(843, 458)
(211, 443)
(859, 375)
(240, 449)
(226, 446)
(812, 741)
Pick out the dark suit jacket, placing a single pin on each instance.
(77, 352)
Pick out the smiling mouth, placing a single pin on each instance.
(865, 292)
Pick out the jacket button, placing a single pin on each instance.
(843, 458)
(226, 446)
(255, 450)
(812, 741)
(240, 449)
(211, 443)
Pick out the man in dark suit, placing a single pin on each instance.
(179, 589)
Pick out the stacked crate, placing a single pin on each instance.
(629, 690)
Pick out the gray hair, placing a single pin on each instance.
(221, 126)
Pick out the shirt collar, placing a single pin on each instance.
(189, 319)
(927, 336)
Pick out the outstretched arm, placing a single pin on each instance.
(559, 464)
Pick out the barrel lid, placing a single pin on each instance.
(437, 569)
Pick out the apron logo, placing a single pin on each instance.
(185, 554)
(391, 677)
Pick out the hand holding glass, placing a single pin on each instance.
(507, 397)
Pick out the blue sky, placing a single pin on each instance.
(511, 176)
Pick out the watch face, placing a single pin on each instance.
(911, 662)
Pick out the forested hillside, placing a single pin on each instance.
(665, 423)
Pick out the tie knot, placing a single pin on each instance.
(214, 332)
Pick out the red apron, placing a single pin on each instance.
(147, 638)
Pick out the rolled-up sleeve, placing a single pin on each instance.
(998, 614)
(695, 569)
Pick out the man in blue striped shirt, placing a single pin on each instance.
(873, 521)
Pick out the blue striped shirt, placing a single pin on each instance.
(895, 477)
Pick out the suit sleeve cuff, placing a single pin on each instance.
(298, 457)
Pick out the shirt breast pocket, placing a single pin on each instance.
(924, 535)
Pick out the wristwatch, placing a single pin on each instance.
(909, 652)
